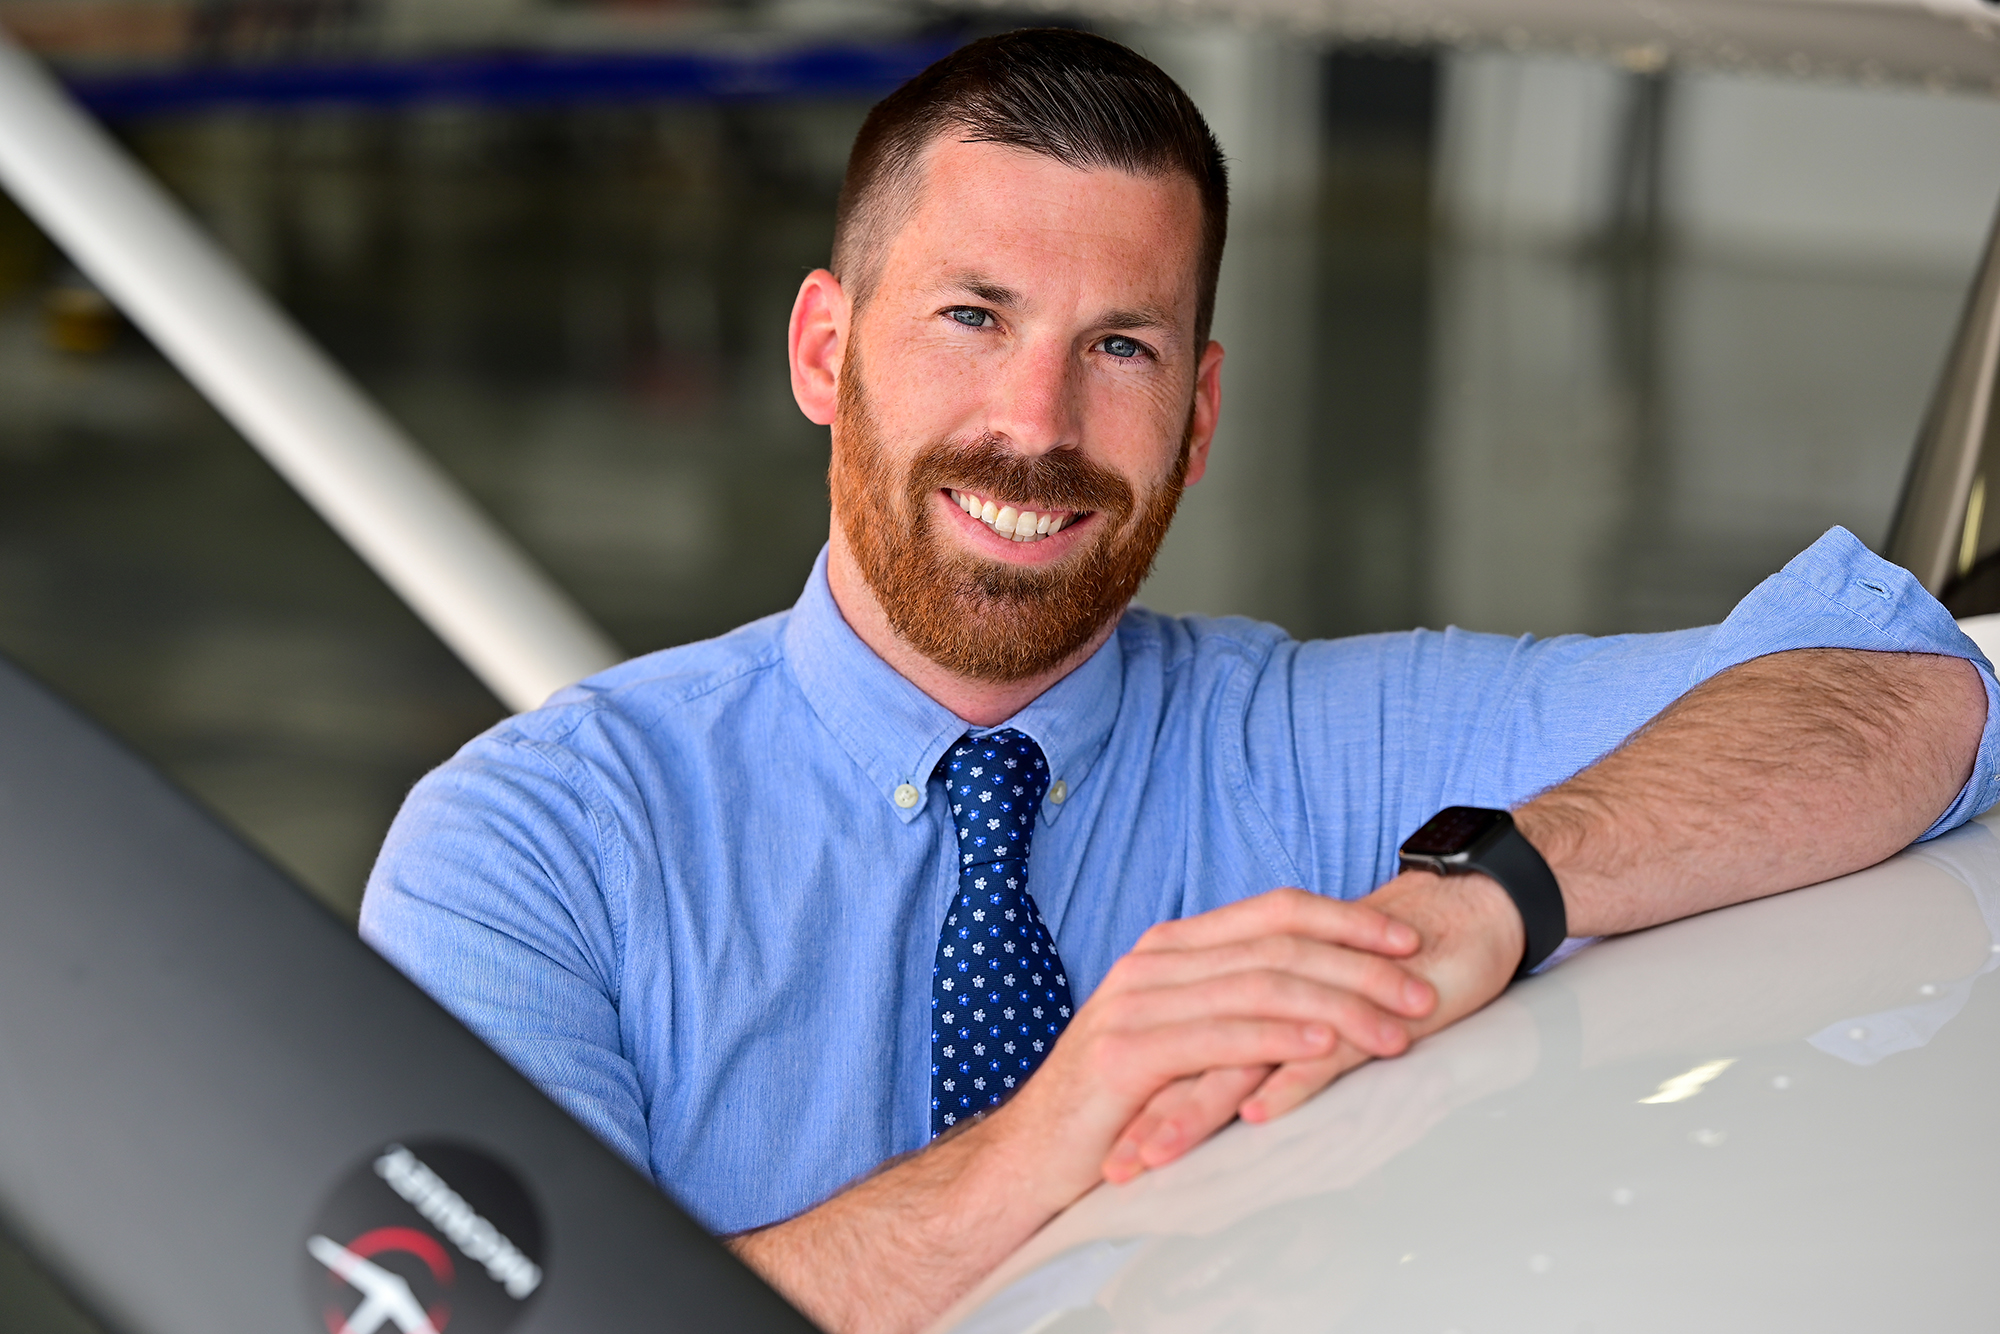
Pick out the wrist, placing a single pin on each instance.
(1483, 840)
(1560, 833)
(1036, 1154)
(1472, 933)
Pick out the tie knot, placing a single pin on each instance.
(995, 783)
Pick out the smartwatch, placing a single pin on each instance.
(1468, 840)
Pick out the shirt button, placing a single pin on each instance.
(1059, 792)
(907, 796)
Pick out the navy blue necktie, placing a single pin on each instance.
(999, 998)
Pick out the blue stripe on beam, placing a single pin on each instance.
(517, 79)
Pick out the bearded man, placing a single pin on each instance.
(879, 930)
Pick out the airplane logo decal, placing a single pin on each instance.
(423, 1236)
(386, 1298)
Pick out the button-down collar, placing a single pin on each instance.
(1071, 721)
(896, 733)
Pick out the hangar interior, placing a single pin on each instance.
(1519, 340)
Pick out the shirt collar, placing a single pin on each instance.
(1071, 721)
(896, 733)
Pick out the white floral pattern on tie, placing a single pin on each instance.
(992, 1023)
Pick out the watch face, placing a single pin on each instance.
(1453, 830)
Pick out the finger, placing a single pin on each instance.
(1262, 994)
(1286, 1087)
(1380, 981)
(1142, 1062)
(1288, 912)
(1182, 1115)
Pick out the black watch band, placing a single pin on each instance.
(1466, 840)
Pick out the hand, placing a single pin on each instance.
(1472, 941)
(1219, 1000)
(1286, 976)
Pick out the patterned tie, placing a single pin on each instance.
(998, 994)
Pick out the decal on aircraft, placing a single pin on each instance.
(422, 1238)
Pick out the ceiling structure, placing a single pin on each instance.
(1943, 44)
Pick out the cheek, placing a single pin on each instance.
(1137, 427)
(925, 390)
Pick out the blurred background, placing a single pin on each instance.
(1519, 340)
(1522, 341)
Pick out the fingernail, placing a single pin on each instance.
(1125, 1151)
(1252, 1111)
(1415, 993)
(1401, 937)
(1319, 1035)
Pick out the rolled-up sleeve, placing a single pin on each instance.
(1839, 594)
(1353, 743)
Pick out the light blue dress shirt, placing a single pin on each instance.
(684, 899)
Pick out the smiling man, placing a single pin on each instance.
(879, 930)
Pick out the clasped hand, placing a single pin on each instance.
(1251, 1009)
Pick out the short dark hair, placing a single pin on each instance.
(1081, 99)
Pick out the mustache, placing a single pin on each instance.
(1062, 479)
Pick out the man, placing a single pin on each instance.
(758, 912)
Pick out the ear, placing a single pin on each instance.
(1207, 409)
(817, 344)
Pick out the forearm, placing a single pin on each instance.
(893, 1250)
(1780, 772)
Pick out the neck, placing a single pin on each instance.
(979, 703)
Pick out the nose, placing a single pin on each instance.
(1034, 401)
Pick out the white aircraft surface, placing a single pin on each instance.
(1774, 1117)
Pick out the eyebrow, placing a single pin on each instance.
(1137, 317)
(1125, 317)
(985, 289)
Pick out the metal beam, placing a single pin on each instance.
(468, 580)
(1941, 44)
(1946, 528)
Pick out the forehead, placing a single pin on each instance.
(1048, 230)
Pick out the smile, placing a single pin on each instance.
(1020, 525)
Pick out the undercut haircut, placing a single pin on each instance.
(1081, 99)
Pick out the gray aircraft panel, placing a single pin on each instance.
(194, 1056)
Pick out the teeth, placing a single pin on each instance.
(1020, 525)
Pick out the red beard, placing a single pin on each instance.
(979, 618)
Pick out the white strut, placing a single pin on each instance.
(469, 581)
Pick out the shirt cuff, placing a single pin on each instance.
(1839, 594)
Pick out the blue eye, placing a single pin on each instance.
(969, 316)
(1122, 348)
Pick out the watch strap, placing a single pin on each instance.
(1514, 864)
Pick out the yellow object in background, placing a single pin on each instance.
(76, 317)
